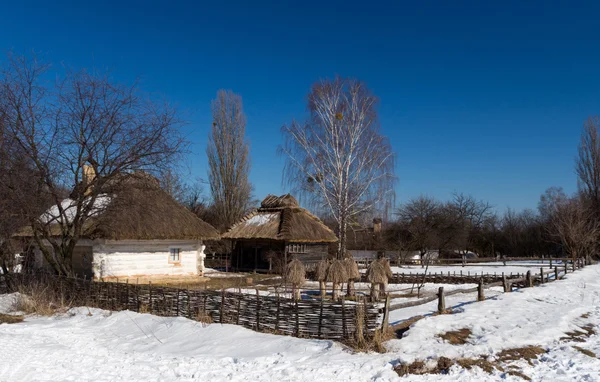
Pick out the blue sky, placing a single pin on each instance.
(486, 98)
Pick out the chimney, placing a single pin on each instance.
(376, 225)
(89, 174)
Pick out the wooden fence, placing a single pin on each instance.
(525, 281)
(305, 318)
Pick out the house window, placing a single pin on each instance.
(297, 248)
(175, 255)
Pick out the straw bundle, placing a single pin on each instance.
(337, 275)
(321, 275)
(353, 274)
(295, 273)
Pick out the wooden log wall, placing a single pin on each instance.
(305, 318)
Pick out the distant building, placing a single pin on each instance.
(277, 231)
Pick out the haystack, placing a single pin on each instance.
(337, 275)
(321, 275)
(295, 273)
(378, 274)
(353, 274)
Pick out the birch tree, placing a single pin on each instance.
(587, 164)
(338, 159)
(228, 154)
(81, 133)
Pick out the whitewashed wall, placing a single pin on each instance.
(151, 257)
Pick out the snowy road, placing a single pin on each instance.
(127, 346)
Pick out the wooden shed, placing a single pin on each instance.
(276, 232)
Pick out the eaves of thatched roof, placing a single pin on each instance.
(281, 218)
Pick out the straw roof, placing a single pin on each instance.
(138, 209)
(281, 218)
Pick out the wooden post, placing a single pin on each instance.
(343, 318)
(441, 301)
(528, 280)
(222, 305)
(386, 313)
(542, 275)
(257, 309)
(319, 330)
(555, 273)
(505, 283)
(277, 314)
(127, 303)
(565, 267)
(480, 295)
(298, 318)
(150, 291)
(573, 265)
(550, 262)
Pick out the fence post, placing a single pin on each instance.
(555, 273)
(565, 267)
(573, 265)
(343, 318)
(277, 314)
(150, 297)
(319, 330)
(542, 275)
(441, 301)
(298, 318)
(550, 262)
(480, 296)
(258, 310)
(386, 313)
(127, 303)
(505, 283)
(223, 305)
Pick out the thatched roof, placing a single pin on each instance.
(281, 218)
(138, 209)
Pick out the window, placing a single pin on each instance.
(297, 248)
(174, 255)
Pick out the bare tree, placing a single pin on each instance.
(470, 214)
(83, 133)
(420, 216)
(229, 159)
(338, 159)
(574, 225)
(587, 163)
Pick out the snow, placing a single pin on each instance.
(69, 207)
(261, 219)
(93, 344)
(491, 268)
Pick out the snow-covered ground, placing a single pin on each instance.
(86, 345)
(488, 268)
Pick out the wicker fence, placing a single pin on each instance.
(305, 318)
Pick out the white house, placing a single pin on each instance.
(139, 230)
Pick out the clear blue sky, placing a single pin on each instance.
(486, 98)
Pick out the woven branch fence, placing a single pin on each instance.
(322, 319)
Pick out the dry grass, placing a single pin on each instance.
(211, 283)
(321, 270)
(337, 273)
(527, 353)
(489, 366)
(456, 337)
(9, 319)
(41, 300)
(580, 335)
(352, 269)
(295, 272)
(587, 352)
